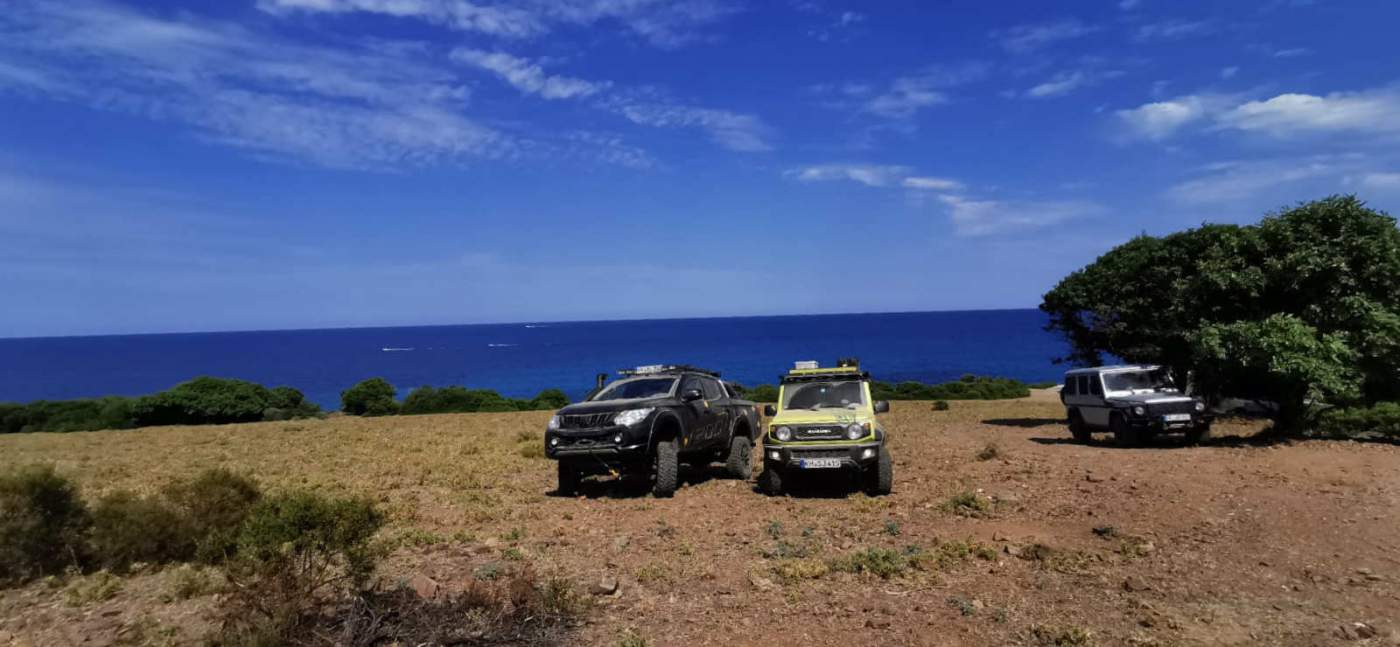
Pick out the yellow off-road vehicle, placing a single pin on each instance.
(825, 424)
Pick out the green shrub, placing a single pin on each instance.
(1383, 419)
(66, 415)
(127, 529)
(212, 507)
(287, 403)
(372, 397)
(204, 400)
(940, 405)
(762, 393)
(42, 522)
(549, 400)
(882, 562)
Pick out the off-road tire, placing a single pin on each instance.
(879, 478)
(770, 481)
(1198, 435)
(738, 462)
(569, 479)
(1078, 429)
(1123, 433)
(667, 469)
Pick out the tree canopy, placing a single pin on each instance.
(1301, 309)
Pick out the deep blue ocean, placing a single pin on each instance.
(521, 359)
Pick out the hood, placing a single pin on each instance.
(611, 405)
(1153, 398)
(823, 417)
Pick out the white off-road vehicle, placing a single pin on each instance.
(1134, 402)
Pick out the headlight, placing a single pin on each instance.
(1139, 410)
(553, 423)
(632, 416)
(782, 433)
(1200, 406)
(854, 431)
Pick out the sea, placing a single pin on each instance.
(520, 359)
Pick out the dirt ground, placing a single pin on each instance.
(1232, 543)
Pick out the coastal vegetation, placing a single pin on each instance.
(1299, 312)
(375, 397)
(968, 387)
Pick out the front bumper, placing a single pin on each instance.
(853, 455)
(1159, 424)
(594, 446)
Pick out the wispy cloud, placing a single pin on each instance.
(661, 23)
(973, 217)
(1028, 38)
(876, 175)
(1066, 82)
(904, 96)
(1229, 72)
(1386, 181)
(1286, 115)
(1173, 30)
(925, 183)
(526, 76)
(1161, 119)
(1292, 52)
(735, 131)
(1237, 181)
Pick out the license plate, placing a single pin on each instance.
(1177, 417)
(819, 463)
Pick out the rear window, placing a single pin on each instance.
(712, 390)
(1070, 383)
(1095, 385)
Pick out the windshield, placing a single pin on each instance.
(651, 387)
(1138, 381)
(846, 394)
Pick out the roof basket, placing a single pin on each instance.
(666, 369)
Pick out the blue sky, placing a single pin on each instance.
(253, 164)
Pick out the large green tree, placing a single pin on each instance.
(1301, 309)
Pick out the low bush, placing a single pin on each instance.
(212, 507)
(292, 549)
(372, 397)
(457, 399)
(201, 401)
(67, 415)
(549, 400)
(762, 393)
(42, 523)
(1383, 419)
(882, 562)
(127, 529)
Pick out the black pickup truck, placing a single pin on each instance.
(648, 422)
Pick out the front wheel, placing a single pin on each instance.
(770, 481)
(569, 479)
(1199, 434)
(879, 480)
(1123, 433)
(737, 463)
(667, 469)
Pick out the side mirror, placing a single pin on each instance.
(691, 395)
(881, 406)
(770, 410)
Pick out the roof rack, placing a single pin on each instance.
(809, 371)
(664, 369)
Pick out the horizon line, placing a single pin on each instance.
(501, 323)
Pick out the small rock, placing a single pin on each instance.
(1013, 550)
(978, 604)
(621, 543)
(999, 536)
(1133, 584)
(761, 583)
(877, 624)
(426, 587)
(606, 585)
(1093, 478)
(1363, 630)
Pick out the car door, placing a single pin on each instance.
(717, 402)
(1095, 409)
(699, 418)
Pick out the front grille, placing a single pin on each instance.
(820, 453)
(585, 420)
(1164, 408)
(583, 442)
(819, 432)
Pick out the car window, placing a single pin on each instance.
(712, 389)
(690, 383)
(1070, 383)
(1095, 385)
(637, 388)
(1083, 385)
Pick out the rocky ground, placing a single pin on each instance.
(1000, 531)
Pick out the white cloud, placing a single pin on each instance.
(526, 76)
(1229, 72)
(1173, 30)
(971, 217)
(732, 130)
(1237, 181)
(1028, 38)
(1161, 119)
(932, 184)
(1292, 52)
(868, 174)
(1062, 84)
(906, 95)
(1381, 180)
(662, 23)
(1128, 5)
(1291, 114)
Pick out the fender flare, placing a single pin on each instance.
(664, 415)
(734, 428)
